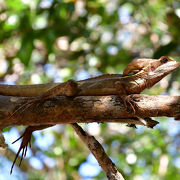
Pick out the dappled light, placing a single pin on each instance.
(45, 41)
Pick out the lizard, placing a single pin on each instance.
(137, 76)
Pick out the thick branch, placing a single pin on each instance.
(97, 150)
(86, 109)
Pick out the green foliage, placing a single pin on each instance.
(43, 41)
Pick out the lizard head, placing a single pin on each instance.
(147, 72)
(159, 68)
(148, 65)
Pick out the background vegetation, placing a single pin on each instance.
(54, 40)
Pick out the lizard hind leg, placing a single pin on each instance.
(26, 138)
(69, 88)
(25, 106)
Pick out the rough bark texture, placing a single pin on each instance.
(97, 150)
(87, 109)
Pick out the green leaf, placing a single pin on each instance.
(26, 49)
(16, 5)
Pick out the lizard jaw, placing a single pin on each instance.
(161, 71)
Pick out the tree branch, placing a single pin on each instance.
(86, 109)
(97, 150)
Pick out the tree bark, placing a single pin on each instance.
(86, 109)
(97, 150)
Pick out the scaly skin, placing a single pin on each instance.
(108, 84)
(146, 73)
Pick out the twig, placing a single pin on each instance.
(97, 150)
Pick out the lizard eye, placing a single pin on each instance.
(164, 60)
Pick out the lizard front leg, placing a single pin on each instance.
(120, 86)
(69, 88)
(128, 99)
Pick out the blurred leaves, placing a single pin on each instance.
(52, 40)
(26, 49)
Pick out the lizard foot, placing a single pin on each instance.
(130, 102)
(24, 144)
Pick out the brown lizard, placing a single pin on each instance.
(138, 75)
(144, 76)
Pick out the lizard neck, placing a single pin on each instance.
(137, 83)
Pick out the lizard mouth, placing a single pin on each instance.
(161, 71)
(166, 68)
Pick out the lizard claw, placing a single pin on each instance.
(128, 101)
(24, 144)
